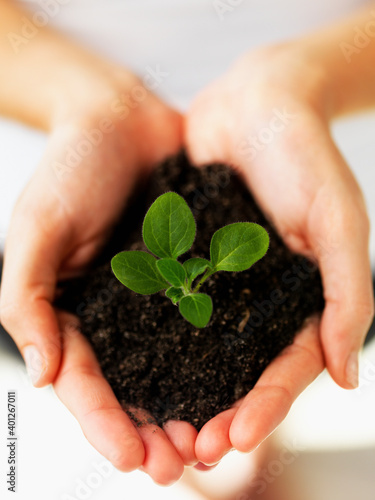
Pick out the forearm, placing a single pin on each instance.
(46, 77)
(346, 55)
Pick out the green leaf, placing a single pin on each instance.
(194, 267)
(172, 271)
(238, 246)
(138, 271)
(196, 308)
(175, 294)
(169, 226)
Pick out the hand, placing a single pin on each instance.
(59, 224)
(269, 117)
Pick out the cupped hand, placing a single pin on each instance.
(161, 453)
(269, 117)
(96, 154)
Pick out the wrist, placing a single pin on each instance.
(344, 53)
(52, 79)
(286, 71)
(90, 94)
(325, 73)
(116, 105)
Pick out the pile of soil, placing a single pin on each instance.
(150, 355)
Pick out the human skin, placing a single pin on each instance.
(304, 185)
(60, 223)
(63, 217)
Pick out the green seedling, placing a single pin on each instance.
(168, 232)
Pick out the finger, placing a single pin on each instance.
(183, 436)
(339, 232)
(213, 440)
(203, 467)
(206, 137)
(162, 461)
(268, 403)
(82, 388)
(157, 142)
(28, 288)
(331, 224)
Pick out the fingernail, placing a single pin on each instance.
(352, 368)
(35, 364)
(203, 467)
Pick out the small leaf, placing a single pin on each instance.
(169, 226)
(196, 308)
(238, 246)
(172, 271)
(138, 271)
(194, 267)
(175, 294)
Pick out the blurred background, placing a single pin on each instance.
(325, 450)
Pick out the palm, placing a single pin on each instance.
(82, 388)
(279, 140)
(76, 210)
(79, 382)
(254, 417)
(91, 195)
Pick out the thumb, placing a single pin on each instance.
(28, 290)
(207, 129)
(339, 232)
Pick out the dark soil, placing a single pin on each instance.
(151, 356)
